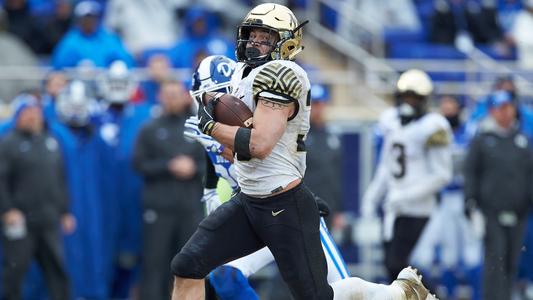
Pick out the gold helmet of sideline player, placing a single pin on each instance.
(280, 22)
(416, 81)
(412, 91)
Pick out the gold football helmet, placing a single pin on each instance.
(416, 81)
(413, 89)
(277, 20)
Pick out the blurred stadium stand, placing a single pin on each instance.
(376, 54)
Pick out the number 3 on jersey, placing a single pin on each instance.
(398, 152)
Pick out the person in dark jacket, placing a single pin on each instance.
(498, 181)
(26, 26)
(172, 170)
(33, 202)
(324, 155)
(452, 18)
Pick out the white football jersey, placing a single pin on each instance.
(415, 165)
(284, 80)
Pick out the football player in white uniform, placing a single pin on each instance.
(273, 208)
(213, 75)
(415, 164)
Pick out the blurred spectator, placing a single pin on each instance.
(483, 22)
(323, 173)
(201, 39)
(120, 122)
(172, 168)
(33, 202)
(443, 31)
(89, 41)
(53, 84)
(14, 53)
(399, 14)
(471, 22)
(523, 35)
(143, 24)
(79, 143)
(481, 109)
(525, 123)
(498, 176)
(158, 71)
(117, 84)
(229, 18)
(25, 26)
(56, 25)
(508, 10)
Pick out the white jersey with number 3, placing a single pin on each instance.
(285, 82)
(415, 165)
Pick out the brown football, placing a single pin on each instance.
(230, 110)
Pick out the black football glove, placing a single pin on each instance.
(323, 206)
(205, 116)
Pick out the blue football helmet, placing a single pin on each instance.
(212, 75)
(74, 105)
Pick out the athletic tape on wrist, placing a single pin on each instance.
(208, 128)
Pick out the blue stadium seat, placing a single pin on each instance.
(328, 17)
(447, 76)
(490, 51)
(423, 51)
(425, 9)
(394, 35)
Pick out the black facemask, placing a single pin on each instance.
(252, 53)
(410, 113)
